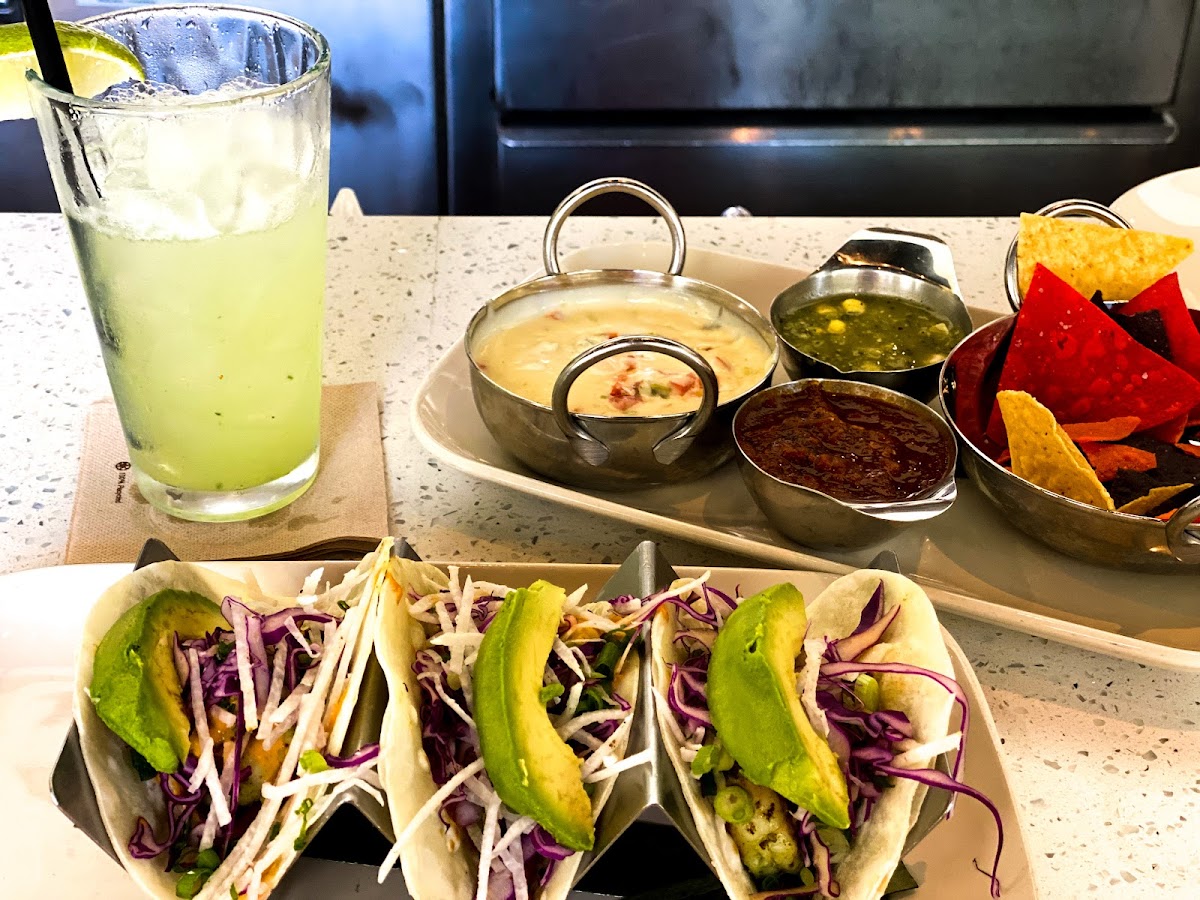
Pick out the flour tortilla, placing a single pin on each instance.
(433, 868)
(120, 796)
(914, 638)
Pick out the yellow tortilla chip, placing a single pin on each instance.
(1143, 505)
(1044, 455)
(1091, 256)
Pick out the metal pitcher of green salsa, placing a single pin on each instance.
(885, 309)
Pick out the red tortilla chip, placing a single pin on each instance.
(1113, 430)
(1083, 366)
(1166, 297)
(1189, 448)
(1106, 459)
(975, 371)
(1170, 432)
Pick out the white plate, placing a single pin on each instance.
(1169, 204)
(42, 855)
(975, 563)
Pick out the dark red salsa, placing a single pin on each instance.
(855, 448)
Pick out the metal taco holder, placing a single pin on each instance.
(647, 799)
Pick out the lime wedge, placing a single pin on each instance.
(96, 62)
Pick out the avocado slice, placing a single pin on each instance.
(533, 770)
(135, 687)
(756, 709)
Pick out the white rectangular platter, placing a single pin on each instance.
(975, 563)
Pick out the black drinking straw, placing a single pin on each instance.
(45, 44)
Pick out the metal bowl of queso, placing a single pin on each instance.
(885, 309)
(616, 379)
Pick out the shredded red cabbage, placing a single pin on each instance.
(686, 695)
(934, 778)
(832, 670)
(363, 754)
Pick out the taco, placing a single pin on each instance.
(508, 719)
(805, 740)
(212, 720)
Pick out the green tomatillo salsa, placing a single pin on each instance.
(870, 333)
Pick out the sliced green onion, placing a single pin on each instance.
(712, 758)
(607, 658)
(733, 804)
(550, 692)
(302, 812)
(866, 689)
(192, 880)
(311, 761)
(189, 884)
(591, 700)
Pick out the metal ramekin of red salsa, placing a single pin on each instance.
(856, 445)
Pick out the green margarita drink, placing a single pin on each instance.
(218, 378)
(196, 202)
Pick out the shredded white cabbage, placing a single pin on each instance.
(516, 868)
(572, 704)
(592, 718)
(616, 768)
(309, 589)
(432, 805)
(241, 649)
(274, 693)
(563, 652)
(806, 685)
(490, 825)
(328, 776)
(917, 756)
(517, 827)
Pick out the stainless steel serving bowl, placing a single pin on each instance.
(1099, 536)
(814, 518)
(879, 261)
(612, 452)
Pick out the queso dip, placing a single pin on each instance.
(526, 355)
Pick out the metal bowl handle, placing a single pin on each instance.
(594, 451)
(1183, 543)
(615, 185)
(1056, 210)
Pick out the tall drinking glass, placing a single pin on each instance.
(197, 208)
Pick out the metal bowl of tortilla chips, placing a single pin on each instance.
(1079, 417)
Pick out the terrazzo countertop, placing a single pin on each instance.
(1103, 754)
